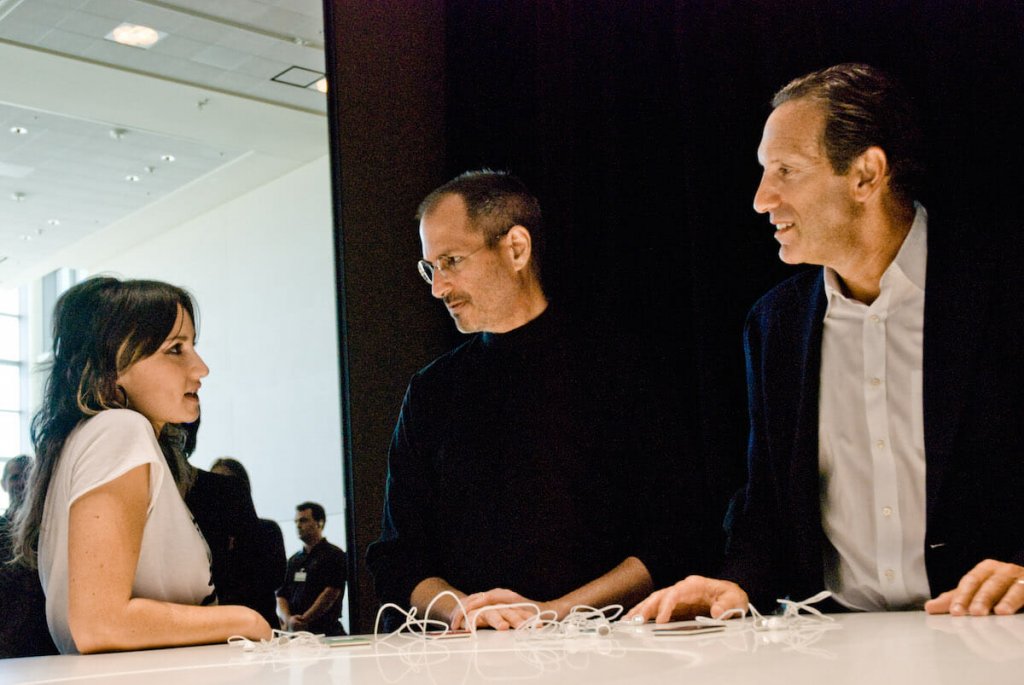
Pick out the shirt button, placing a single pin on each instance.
(889, 574)
(876, 381)
(880, 444)
(887, 511)
(875, 318)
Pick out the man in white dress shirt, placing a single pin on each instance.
(884, 456)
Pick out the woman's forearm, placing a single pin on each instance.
(146, 623)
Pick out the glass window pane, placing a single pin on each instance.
(10, 389)
(10, 338)
(9, 301)
(10, 433)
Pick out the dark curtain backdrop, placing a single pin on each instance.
(637, 123)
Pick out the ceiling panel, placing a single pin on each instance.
(79, 176)
(204, 94)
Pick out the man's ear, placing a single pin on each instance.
(869, 173)
(520, 246)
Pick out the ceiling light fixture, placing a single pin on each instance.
(18, 196)
(131, 178)
(167, 158)
(19, 130)
(53, 222)
(135, 35)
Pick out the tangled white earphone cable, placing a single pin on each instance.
(581, 620)
(280, 643)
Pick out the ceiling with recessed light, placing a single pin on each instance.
(103, 144)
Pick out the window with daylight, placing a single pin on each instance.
(12, 380)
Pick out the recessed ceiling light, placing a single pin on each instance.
(167, 158)
(135, 35)
(19, 130)
(320, 85)
(131, 178)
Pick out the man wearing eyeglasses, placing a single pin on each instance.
(515, 468)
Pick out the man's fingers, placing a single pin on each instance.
(963, 595)
(1013, 598)
(488, 609)
(491, 619)
(503, 618)
(940, 604)
(641, 608)
(666, 605)
(989, 593)
(690, 597)
(517, 616)
(637, 610)
(476, 601)
(1010, 601)
(472, 605)
(648, 608)
(989, 585)
(730, 597)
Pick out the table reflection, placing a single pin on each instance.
(993, 638)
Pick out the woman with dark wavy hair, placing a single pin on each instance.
(120, 559)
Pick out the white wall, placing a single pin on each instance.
(261, 268)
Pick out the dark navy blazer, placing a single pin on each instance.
(973, 395)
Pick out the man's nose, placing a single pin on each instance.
(440, 285)
(765, 197)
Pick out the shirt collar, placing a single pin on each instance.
(536, 329)
(912, 259)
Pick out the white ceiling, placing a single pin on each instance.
(96, 113)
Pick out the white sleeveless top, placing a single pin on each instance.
(174, 560)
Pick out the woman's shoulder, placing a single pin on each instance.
(115, 419)
(106, 446)
(114, 428)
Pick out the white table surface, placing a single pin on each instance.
(870, 649)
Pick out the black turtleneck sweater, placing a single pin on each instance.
(519, 460)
